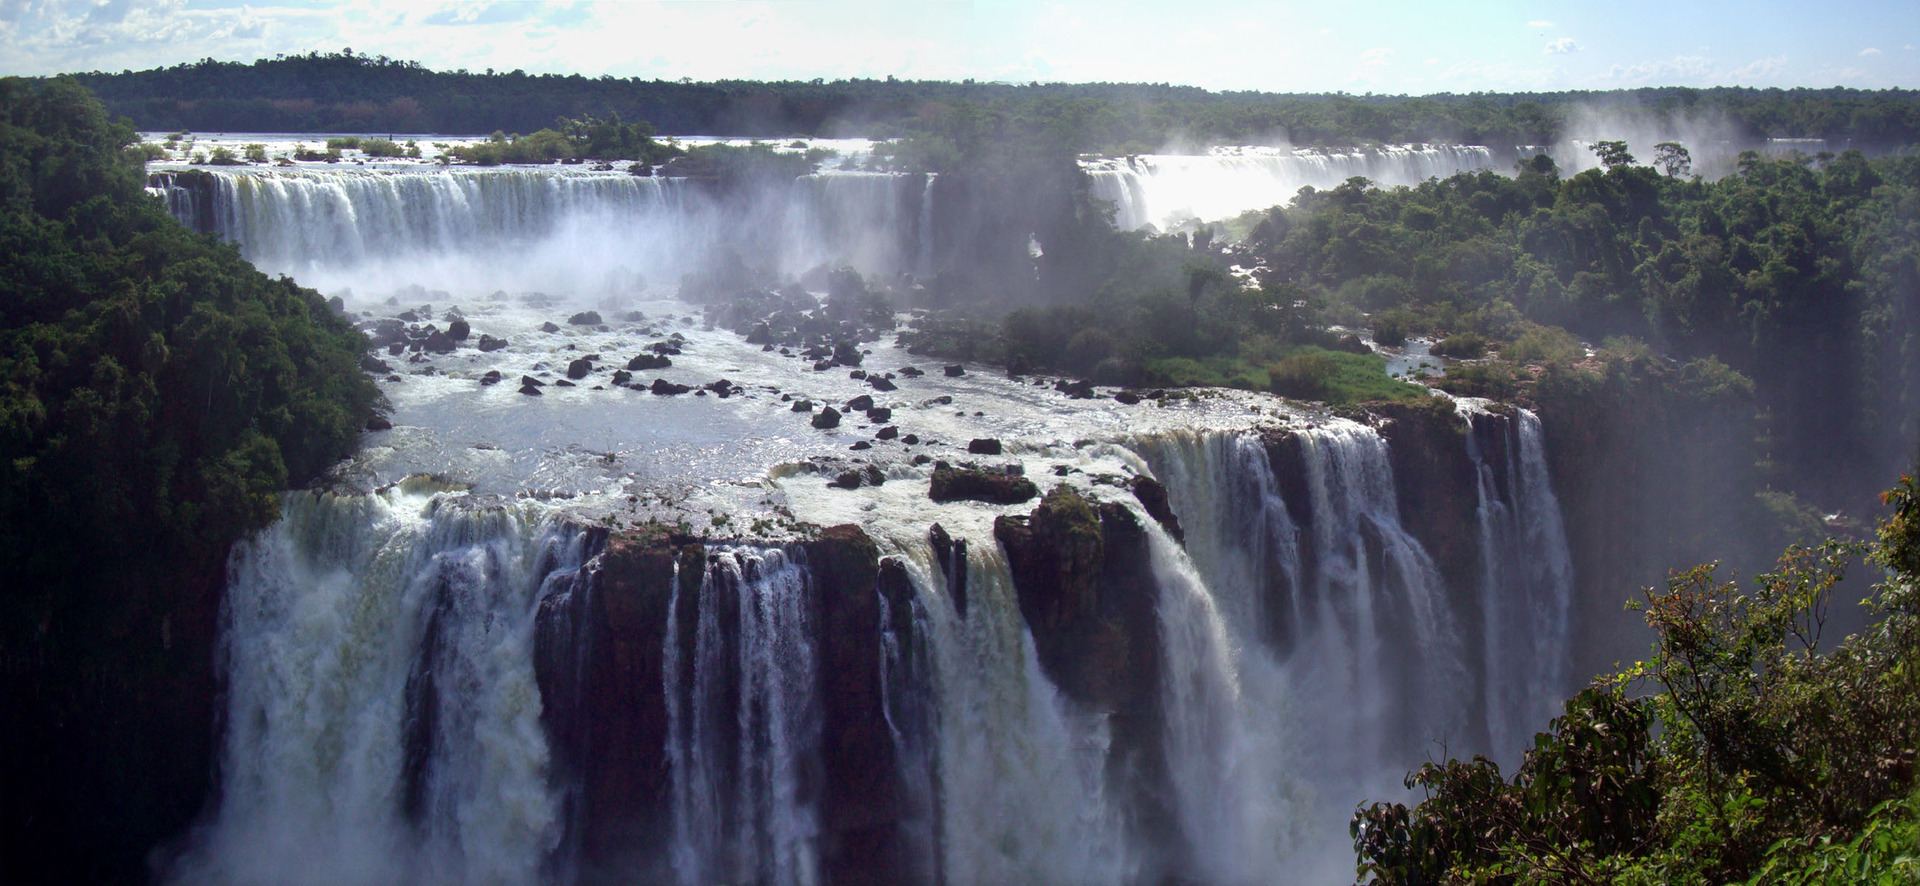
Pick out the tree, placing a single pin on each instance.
(1612, 154)
(1672, 158)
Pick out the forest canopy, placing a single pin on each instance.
(157, 394)
(344, 92)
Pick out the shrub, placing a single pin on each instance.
(344, 142)
(380, 147)
(1544, 344)
(1462, 346)
(1391, 328)
(223, 157)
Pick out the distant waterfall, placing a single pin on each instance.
(383, 720)
(544, 228)
(1165, 190)
(1526, 589)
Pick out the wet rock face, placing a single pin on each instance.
(1088, 603)
(600, 659)
(1436, 484)
(601, 664)
(958, 484)
(861, 802)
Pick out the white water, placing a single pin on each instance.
(742, 816)
(329, 615)
(1308, 666)
(1526, 582)
(1167, 190)
(552, 229)
(1018, 770)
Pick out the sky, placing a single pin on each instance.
(1390, 46)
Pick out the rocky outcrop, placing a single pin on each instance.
(1436, 484)
(600, 655)
(861, 801)
(1084, 577)
(966, 484)
(602, 648)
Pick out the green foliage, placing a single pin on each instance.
(1774, 759)
(1338, 378)
(155, 391)
(380, 147)
(256, 153)
(1544, 344)
(344, 92)
(586, 138)
(343, 142)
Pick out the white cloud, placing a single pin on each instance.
(1563, 46)
(1377, 56)
(1679, 69)
(1761, 69)
(1539, 24)
(1869, 52)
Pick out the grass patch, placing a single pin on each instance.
(1338, 378)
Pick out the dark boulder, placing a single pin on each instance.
(880, 383)
(580, 368)
(645, 362)
(983, 446)
(861, 403)
(458, 330)
(846, 353)
(887, 433)
(371, 363)
(379, 423)
(549, 327)
(438, 342)
(828, 419)
(966, 484)
(879, 414)
(1153, 497)
(1127, 397)
(585, 318)
(621, 377)
(803, 406)
(531, 382)
(860, 446)
(488, 343)
(954, 370)
(491, 378)
(530, 390)
(667, 389)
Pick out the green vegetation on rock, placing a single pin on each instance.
(156, 395)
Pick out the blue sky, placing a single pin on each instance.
(1387, 47)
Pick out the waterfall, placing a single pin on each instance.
(1310, 648)
(1526, 578)
(923, 260)
(544, 228)
(1166, 190)
(383, 719)
(744, 723)
(1015, 774)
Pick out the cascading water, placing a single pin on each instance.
(544, 228)
(1526, 579)
(1165, 190)
(744, 723)
(1309, 644)
(383, 720)
(1015, 772)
